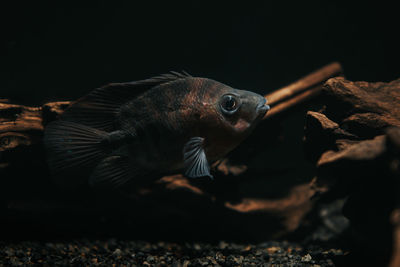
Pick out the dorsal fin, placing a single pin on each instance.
(99, 107)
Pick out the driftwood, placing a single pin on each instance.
(28, 189)
(304, 89)
(355, 143)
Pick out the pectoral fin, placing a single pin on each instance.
(195, 160)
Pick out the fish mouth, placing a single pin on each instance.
(262, 107)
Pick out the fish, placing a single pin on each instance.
(122, 132)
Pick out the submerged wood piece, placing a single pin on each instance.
(364, 151)
(305, 83)
(22, 125)
(18, 118)
(379, 98)
(372, 108)
(293, 102)
(362, 111)
(355, 141)
(321, 134)
(291, 209)
(301, 90)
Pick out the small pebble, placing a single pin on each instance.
(306, 258)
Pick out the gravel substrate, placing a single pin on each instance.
(130, 253)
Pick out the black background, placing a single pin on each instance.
(55, 51)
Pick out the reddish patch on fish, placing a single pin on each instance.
(241, 125)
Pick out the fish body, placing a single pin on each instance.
(124, 131)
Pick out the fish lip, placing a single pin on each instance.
(262, 107)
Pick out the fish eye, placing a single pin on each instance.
(229, 104)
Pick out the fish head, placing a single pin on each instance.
(228, 116)
(240, 110)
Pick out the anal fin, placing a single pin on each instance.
(113, 171)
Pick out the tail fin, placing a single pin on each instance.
(73, 150)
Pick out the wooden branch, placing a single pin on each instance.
(292, 102)
(19, 118)
(304, 89)
(22, 125)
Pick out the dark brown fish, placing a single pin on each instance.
(123, 131)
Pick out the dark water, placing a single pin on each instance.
(60, 51)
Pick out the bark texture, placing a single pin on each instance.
(355, 144)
